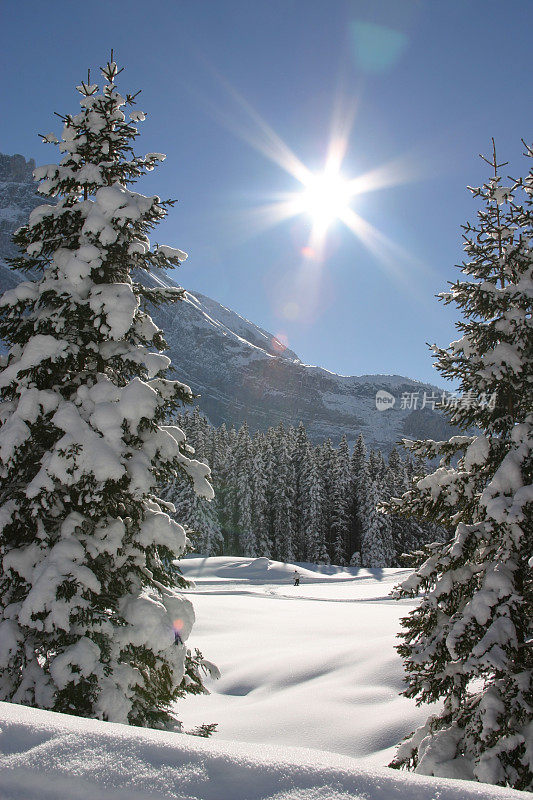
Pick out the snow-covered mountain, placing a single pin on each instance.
(241, 371)
(17, 199)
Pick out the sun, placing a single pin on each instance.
(325, 198)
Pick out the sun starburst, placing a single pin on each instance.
(324, 197)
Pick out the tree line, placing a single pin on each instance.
(279, 495)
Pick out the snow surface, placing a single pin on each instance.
(312, 665)
(47, 756)
(307, 705)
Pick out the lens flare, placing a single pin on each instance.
(291, 310)
(280, 342)
(308, 252)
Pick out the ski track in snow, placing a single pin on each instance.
(272, 593)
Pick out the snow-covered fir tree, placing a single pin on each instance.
(468, 643)
(197, 515)
(90, 620)
(314, 546)
(340, 522)
(243, 494)
(259, 495)
(300, 458)
(357, 462)
(204, 528)
(326, 463)
(198, 429)
(221, 470)
(282, 496)
(376, 466)
(376, 537)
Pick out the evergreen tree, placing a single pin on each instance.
(312, 542)
(376, 538)
(87, 597)
(397, 474)
(375, 465)
(357, 464)
(243, 493)
(204, 527)
(326, 456)
(259, 495)
(196, 431)
(395, 484)
(219, 469)
(358, 459)
(340, 522)
(301, 454)
(225, 487)
(283, 496)
(468, 643)
(270, 490)
(197, 515)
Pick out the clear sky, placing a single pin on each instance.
(241, 93)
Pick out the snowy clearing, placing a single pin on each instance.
(307, 705)
(309, 666)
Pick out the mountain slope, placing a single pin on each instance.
(241, 371)
(240, 374)
(17, 199)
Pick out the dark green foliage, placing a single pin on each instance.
(468, 643)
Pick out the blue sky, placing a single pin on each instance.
(429, 83)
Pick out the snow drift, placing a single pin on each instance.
(47, 756)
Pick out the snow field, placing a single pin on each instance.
(312, 665)
(307, 704)
(47, 756)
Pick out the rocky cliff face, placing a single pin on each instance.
(240, 371)
(17, 198)
(241, 374)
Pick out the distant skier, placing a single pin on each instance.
(296, 578)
